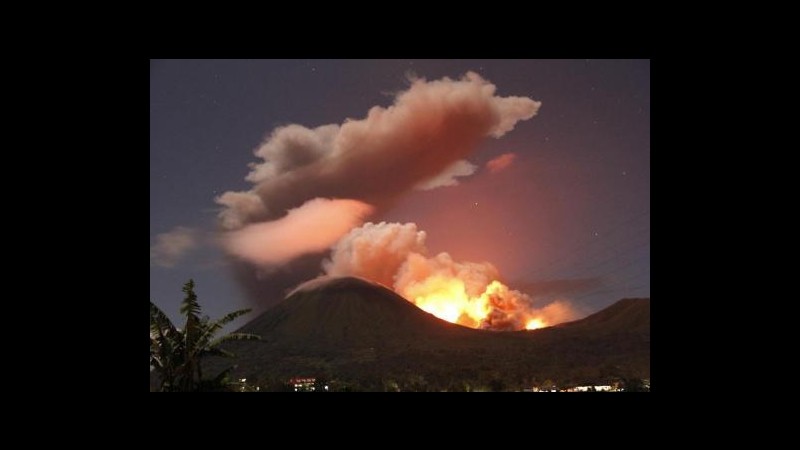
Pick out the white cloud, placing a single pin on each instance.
(447, 177)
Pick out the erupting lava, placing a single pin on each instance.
(461, 292)
(495, 308)
(534, 324)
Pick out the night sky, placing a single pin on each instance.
(569, 217)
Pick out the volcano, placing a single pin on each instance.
(368, 337)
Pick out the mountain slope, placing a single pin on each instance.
(352, 329)
(347, 311)
(629, 315)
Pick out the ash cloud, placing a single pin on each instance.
(375, 251)
(420, 142)
(429, 128)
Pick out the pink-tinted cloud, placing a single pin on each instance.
(310, 228)
(375, 251)
(501, 162)
(421, 137)
(420, 141)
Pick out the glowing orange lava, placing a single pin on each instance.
(473, 303)
(497, 307)
(534, 324)
(446, 298)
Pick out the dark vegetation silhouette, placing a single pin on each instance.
(176, 354)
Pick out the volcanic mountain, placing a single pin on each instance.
(366, 336)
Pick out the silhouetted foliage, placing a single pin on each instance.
(176, 354)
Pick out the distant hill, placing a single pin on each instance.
(348, 311)
(629, 315)
(365, 335)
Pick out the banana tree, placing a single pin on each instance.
(176, 354)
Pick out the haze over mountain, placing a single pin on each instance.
(355, 330)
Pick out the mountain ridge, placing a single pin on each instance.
(352, 329)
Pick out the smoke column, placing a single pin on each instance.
(467, 293)
(311, 186)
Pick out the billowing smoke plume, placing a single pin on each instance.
(430, 127)
(467, 293)
(311, 228)
(361, 165)
(375, 251)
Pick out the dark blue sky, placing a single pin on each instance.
(571, 214)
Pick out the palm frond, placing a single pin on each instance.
(191, 334)
(176, 354)
(164, 338)
(159, 321)
(190, 306)
(194, 324)
(230, 317)
(217, 325)
(235, 337)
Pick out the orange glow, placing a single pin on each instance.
(446, 297)
(534, 324)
